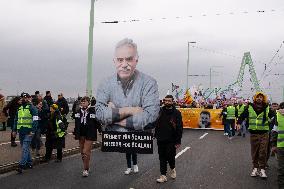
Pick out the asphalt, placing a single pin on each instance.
(211, 162)
(10, 155)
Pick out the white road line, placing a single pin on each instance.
(181, 152)
(203, 136)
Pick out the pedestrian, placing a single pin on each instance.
(26, 122)
(85, 131)
(258, 114)
(223, 114)
(76, 106)
(231, 113)
(277, 143)
(240, 108)
(48, 98)
(129, 99)
(99, 126)
(36, 140)
(10, 111)
(63, 108)
(168, 133)
(3, 117)
(55, 134)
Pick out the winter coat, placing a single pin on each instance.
(169, 126)
(51, 139)
(3, 117)
(91, 125)
(62, 103)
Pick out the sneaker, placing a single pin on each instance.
(13, 144)
(162, 179)
(262, 174)
(173, 173)
(239, 134)
(254, 172)
(244, 135)
(226, 134)
(128, 171)
(19, 169)
(85, 173)
(29, 166)
(135, 169)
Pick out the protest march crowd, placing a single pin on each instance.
(128, 102)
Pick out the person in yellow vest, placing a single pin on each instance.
(229, 115)
(55, 134)
(26, 122)
(258, 114)
(277, 143)
(240, 108)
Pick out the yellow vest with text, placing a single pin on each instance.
(25, 118)
(280, 138)
(231, 110)
(256, 121)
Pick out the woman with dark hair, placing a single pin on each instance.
(85, 131)
(10, 110)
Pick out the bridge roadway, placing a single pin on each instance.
(206, 161)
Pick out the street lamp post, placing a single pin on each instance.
(187, 72)
(89, 91)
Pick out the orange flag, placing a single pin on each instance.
(187, 97)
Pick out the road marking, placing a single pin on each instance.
(181, 152)
(203, 136)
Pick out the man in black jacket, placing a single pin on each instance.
(168, 133)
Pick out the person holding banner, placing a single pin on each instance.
(129, 99)
(85, 131)
(168, 132)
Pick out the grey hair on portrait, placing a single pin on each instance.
(126, 42)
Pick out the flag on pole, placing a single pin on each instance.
(174, 87)
(187, 97)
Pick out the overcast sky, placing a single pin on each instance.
(43, 44)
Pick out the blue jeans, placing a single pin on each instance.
(230, 126)
(36, 140)
(25, 141)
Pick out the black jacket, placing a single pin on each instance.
(62, 103)
(169, 126)
(92, 124)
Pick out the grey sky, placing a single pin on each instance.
(43, 44)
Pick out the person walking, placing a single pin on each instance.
(277, 142)
(258, 114)
(55, 134)
(85, 131)
(168, 133)
(3, 117)
(26, 122)
(10, 110)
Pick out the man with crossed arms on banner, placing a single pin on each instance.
(129, 99)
